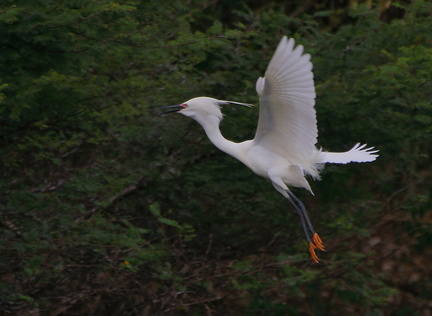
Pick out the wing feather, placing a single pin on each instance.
(287, 120)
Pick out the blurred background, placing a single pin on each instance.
(108, 208)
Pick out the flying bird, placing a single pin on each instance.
(283, 149)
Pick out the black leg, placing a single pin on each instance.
(303, 210)
(315, 242)
(302, 218)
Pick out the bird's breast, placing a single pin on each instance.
(261, 160)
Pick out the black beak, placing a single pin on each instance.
(172, 108)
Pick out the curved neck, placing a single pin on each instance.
(211, 127)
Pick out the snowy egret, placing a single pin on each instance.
(283, 149)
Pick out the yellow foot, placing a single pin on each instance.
(316, 243)
(312, 248)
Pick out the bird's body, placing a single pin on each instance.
(283, 149)
(262, 161)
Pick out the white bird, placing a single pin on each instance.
(283, 149)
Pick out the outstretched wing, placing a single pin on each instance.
(287, 119)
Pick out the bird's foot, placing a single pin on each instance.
(316, 243)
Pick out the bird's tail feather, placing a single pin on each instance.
(357, 154)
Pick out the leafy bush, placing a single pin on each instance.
(109, 208)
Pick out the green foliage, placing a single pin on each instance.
(110, 209)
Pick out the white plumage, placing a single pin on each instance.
(283, 149)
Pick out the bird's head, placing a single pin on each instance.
(201, 108)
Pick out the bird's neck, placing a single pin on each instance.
(211, 127)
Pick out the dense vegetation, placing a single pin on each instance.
(107, 208)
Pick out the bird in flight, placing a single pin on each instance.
(283, 149)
